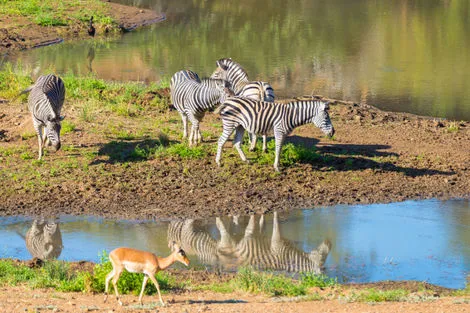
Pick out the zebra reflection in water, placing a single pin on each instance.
(44, 240)
(253, 248)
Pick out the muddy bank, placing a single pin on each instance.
(20, 33)
(376, 157)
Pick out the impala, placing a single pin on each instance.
(137, 261)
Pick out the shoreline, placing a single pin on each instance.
(20, 33)
(127, 160)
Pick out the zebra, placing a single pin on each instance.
(257, 90)
(195, 240)
(192, 97)
(45, 103)
(261, 117)
(44, 240)
(277, 253)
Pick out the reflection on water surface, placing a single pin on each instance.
(405, 55)
(414, 240)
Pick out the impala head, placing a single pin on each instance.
(53, 131)
(322, 119)
(179, 254)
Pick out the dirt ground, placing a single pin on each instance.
(376, 157)
(18, 33)
(43, 300)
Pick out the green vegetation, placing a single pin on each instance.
(62, 276)
(58, 13)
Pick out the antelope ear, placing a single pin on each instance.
(61, 118)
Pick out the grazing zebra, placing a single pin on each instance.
(192, 97)
(233, 72)
(277, 253)
(44, 240)
(45, 103)
(260, 117)
(197, 241)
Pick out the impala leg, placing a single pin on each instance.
(155, 282)
(144, 283)
(239, 131)
(222, 140)
(115, 280)
(106, 284)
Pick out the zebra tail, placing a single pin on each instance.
(27, 90)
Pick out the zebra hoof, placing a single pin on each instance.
(247, 161)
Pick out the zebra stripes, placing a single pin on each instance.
(45, 103)
(260, 91)
(250, 248)
(193, 240)
(261, 117)
(44, 240)
(257, 90)
(277, 253)
(192, 97)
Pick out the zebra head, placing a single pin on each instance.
(229, 70)
(322, 119)
(53, 131)
(225, 89)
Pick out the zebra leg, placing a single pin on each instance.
(39, 131)
(252, 141)
(239, 131)
(279, 139)
(199, 117)
(227, 131)
(185, 125)
(194, 119)
(265, 147)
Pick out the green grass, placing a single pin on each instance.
(290, 154)
(373, 295)
(58, 13)
(67, 127)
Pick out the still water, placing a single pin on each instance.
(414, 240)
(405, 55)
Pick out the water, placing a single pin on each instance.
(407, 55)
(414, 240)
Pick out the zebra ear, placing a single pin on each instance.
(221, 65)
(327, 105)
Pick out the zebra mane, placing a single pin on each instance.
(227, 63)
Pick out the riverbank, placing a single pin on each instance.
(123, 157)
(28, 24)
(49, 288)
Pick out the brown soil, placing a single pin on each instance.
(19, 33)
(377, 157)
(22, 299)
